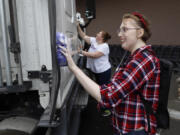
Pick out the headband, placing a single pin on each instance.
(141, 18)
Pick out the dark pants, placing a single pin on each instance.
(104, 77)
(141, 132)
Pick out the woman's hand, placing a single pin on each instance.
(80, 49)
(68, 56)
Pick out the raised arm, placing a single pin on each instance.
(83, 35)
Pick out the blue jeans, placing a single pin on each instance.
(141, 132)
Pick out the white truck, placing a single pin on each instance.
(37, 95)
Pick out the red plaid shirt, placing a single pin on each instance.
(141, 72)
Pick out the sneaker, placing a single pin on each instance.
(106, 113)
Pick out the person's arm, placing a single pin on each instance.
(89, 85)
(92, 54)
(100, 52)
(83, 35)
(127, 81)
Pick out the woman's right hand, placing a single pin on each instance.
(68, 56)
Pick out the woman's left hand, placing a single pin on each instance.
(68, 56)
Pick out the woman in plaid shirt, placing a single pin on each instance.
(141, 72)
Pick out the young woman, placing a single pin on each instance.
(140, 73)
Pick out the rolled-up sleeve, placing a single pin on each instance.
(134, 75)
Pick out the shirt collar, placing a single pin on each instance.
(137, 51)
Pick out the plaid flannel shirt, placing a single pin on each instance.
(141, 72)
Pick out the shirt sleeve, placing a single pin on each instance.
(92, 40)
(134, 75)
(104, 49)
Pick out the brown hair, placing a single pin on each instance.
(142, 22)
(106, 36)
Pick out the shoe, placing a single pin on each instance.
(106, 113)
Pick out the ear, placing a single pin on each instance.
(140, 33)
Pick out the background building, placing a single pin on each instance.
(163, 14)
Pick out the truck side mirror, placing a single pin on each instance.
(90, 9)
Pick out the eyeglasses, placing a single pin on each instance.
(125, 29)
